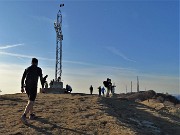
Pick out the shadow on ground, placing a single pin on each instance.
(140, 118)
(54, 126)
(11, 99)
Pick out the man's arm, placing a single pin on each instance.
(22, 81)
(42, 81)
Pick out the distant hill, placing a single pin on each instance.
(151, 94)
(177, 96)
(84, 114)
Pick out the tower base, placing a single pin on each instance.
(56, 88)
(58, 85)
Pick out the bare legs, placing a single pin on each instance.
(29, 107)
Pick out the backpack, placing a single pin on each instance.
(105, 84)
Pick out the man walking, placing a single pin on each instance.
(31, 74)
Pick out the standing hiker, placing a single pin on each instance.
(91, 89)
(103, 90)
(108, 85)
(46, 84)
(99, 89)
(44, 79)
(31, 74)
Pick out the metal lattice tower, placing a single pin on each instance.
(59, 38)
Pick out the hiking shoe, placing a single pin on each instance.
(23, 120)
(32, 116)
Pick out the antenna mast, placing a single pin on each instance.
(137, 84)
(59, 38)
(126, 89)
(131, 86)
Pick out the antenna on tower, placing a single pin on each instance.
(61, 5)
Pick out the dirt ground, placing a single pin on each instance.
(83, 114)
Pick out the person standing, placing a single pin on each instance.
(91, 89)
(31, 75)
(46, 84)
(103, 90)
(99, 89)
(109, 85)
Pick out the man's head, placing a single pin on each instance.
(34, 61)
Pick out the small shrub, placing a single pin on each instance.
(177, 112)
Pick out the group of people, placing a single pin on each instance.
(101, 90)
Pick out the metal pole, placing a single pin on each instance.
(131, 86)
(137, 84)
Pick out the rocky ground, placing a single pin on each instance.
(83, 114)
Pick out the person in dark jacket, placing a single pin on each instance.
(108, 85)
(30, 76)
(99, 90)
(68, 89)
(91, 89)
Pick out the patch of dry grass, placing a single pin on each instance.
(79, 114)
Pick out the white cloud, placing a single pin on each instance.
(78, 62)
(20, 56)
(84, 68)
(24, 56)
(9, 46)
(43, 18)
(51, 21)
(118, 53)
(41, 58)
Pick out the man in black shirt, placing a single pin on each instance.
(31, 74)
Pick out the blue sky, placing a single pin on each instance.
(116, 39)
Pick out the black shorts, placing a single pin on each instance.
(31, 92)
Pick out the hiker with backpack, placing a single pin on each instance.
(108, 85)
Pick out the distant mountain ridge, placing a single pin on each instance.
(151, 94)
(177, 96)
